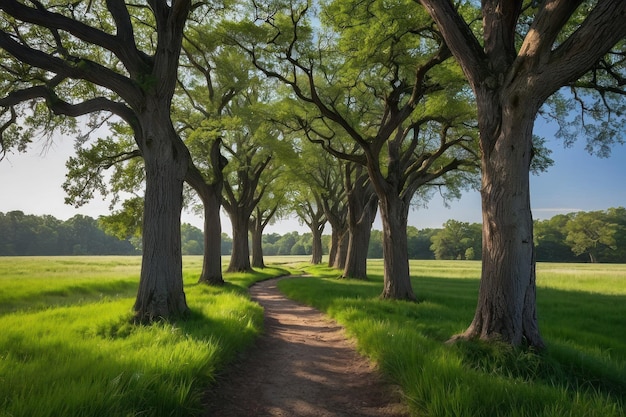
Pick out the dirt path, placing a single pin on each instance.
(303, 365)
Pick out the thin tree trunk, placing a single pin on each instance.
(211, 196)
(317, 252)
(212, 262)
(160, 294)
(334, 245)
(256, 230)
(394, 213)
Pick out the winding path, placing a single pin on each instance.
(303, 365)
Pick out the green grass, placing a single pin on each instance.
(582, 313)
(67, 348)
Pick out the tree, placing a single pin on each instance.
(419, 243)
(264, 213)
(307, 204)
(214, 77)
(93, 56)
(511, 80)
(617, 216)
(192, 240)
(456, 240)
(377, 75)
(550, 243)
(252, 146)
(323, 196)
(587, 232)
(362, 203)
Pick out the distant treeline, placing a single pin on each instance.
(29, 235)
(596, 236)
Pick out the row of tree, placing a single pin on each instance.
(595, 236)
(333, 112)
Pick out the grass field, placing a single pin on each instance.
(66, 348)
(582, 314)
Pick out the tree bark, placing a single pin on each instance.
(394, 213)
(339, 260)
(212, 262)
(336, 214)
(317, 252)
(362, 204)
(256, 230)
(240, 257)
(160, 294)
(334, 244)
(506, 302)
(211, 196)
(356, 254)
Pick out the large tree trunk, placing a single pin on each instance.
(160, 294)
(506, 301)
(394, 213)
(240, 257)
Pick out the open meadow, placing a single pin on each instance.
(67, 348)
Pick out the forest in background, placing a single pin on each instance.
(594, 236)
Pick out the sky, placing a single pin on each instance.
(31, 182)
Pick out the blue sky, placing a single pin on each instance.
(31, 183)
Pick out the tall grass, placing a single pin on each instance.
(582, 314)
(67, 347)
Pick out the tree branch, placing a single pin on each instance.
(599, 32)
(460, 39)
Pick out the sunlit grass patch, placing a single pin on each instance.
(32, 283)
(582, 373)
(81, 356)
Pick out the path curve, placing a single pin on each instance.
(303, 365)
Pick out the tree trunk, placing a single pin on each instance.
(212, 262)
(256, 230)
(592, 258)
(356, 257)
(394, 213)
(361, 214)
(160, 294)
(240, 257)
(506, 301)
(317, 252)
(211, 196)
(334, 244)
(339, 260)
